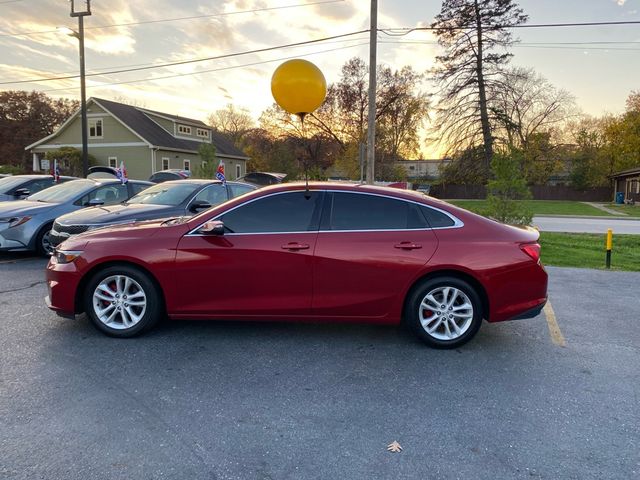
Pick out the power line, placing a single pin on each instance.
(232, 67)
(10, 1)
(406, 30)
(185, 62)
(559, 45)
(176, 19)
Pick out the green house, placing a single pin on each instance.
(145, 140)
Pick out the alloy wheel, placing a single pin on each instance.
(119, 302)
(445, 313)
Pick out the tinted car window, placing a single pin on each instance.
(213, 194)
(287, 212)
(354, 211)
(137, 187)
(38, 185)
(238, 189)
(436, 218)
(109, 194)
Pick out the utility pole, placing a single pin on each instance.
(81, 13)
(371, 129)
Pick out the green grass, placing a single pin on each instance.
(586, 250)
(631, 210)
(539, 207)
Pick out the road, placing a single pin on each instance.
(587, 225)
(284, 401)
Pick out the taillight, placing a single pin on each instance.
(531, 249)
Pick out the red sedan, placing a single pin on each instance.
(332, 252)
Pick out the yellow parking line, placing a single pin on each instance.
(554, 328)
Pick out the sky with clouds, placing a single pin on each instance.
(600, 76)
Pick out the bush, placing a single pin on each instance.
(508, 185)
(69, 160)
(12, 170)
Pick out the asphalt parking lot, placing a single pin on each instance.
(284, 401)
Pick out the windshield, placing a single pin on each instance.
(9, 183)
(165, 193)
(63, 192)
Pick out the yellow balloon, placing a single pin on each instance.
(298, 86)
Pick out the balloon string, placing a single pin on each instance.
(307, 194)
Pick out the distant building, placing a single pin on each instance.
(427, 169)
(147, 141)
(628, 182)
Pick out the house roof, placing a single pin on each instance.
(624, 173)
(152, 132)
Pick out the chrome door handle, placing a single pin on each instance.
(408, 246)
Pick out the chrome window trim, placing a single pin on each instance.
(457, 223)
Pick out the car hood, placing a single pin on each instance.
(119, 214)
(24, 207)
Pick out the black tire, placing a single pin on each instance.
(413, 310)
(150, 315)
(43, 234)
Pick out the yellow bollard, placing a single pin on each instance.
(609, 246)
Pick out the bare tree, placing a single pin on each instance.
(232, 121)
(475, 35)
(527, 104)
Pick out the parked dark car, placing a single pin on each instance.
(335, 252)
(26, 224)
(168, 199)
(263, 178)
(19, 187)
(170, 174)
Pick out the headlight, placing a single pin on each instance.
(67, 256)
(14, 221)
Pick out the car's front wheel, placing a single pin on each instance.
(445, 312)
(122, 301)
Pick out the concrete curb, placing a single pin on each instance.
(592, 217)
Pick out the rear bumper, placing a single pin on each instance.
(532, 313)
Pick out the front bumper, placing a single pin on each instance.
(62, 284)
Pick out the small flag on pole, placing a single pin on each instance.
(121, 173)
(220, 172)
(55, 171)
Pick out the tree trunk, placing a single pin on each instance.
(484, 111)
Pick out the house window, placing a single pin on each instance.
(187, 165)
(184, 129)
(95, 127)
(165, 163)
(201, 132)
(238, 171)
(113, 162)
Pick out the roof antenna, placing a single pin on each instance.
(305, 164)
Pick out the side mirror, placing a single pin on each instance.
(199, 206)
(22, 192)
(212, 227)
(94, 202)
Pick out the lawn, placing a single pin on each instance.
(586, 250)
(539, 207)
(631, 210)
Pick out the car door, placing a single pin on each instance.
(369, 248)
(261, 266)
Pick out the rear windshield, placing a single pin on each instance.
(165, 194)
(63, 192)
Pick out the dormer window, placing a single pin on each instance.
(184, 129)
(95, 127)
(201, 132)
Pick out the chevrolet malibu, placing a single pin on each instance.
(326, 252)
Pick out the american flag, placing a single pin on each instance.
(121, 173)
(220, 172)
(55, 171)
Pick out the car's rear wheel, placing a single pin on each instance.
(43, 241)
(122, 301)
(445, 312)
